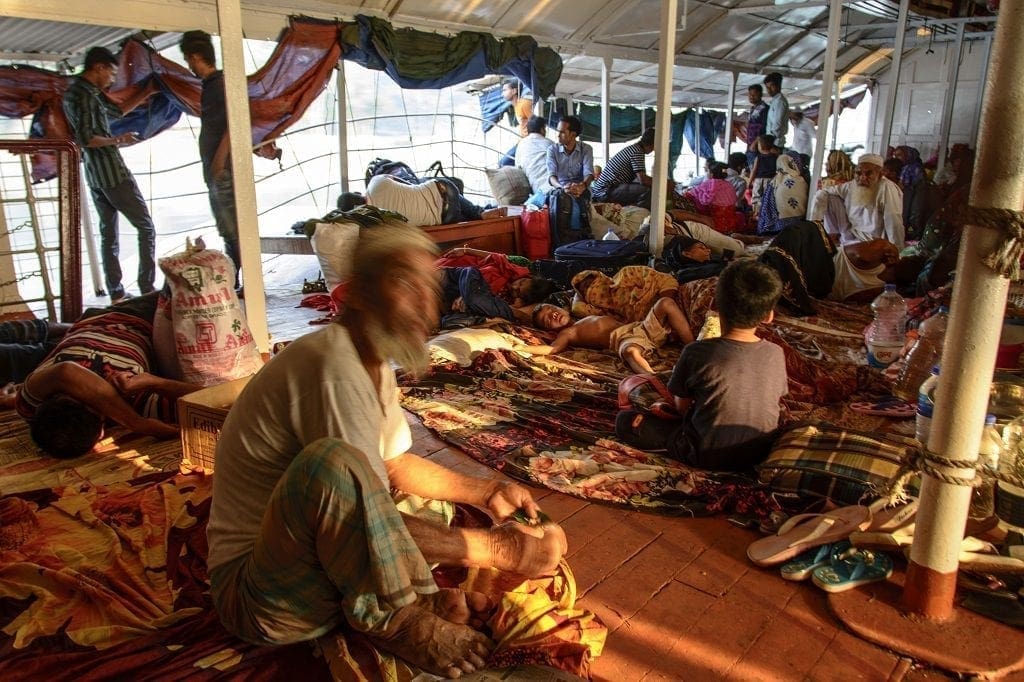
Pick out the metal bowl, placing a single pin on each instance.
(1006, 400)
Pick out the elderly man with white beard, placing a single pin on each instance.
(304, 534)
(868, 207)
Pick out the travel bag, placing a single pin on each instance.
(560, 206)
(601, 254)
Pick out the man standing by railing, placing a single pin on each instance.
(214, 143)
(110, 182)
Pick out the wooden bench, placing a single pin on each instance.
(497, 234)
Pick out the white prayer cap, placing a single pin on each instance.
(872, 159)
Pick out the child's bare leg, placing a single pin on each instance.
(634, 358)
(669, 314)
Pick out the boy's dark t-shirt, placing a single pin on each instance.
(735, 387)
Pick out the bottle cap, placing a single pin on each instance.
(935, 370)
(990, 419)
(890, 287)
(943, 308)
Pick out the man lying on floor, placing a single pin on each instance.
(304, 535)
(99, 372)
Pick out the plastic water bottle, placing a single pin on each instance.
(887, 335)
(924, 354)
(610, 236)
(1010, 497)
(926, 406)
(983, 504)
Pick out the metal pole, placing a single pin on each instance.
(662, 122)
(828, 72)
(728, 114)
(606, 111)
(236, 92)
(894, 80)
(836, 111)
(952, 79)
(339, 81)
(98, 285)
(979, 299)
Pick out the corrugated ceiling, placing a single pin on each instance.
(749, 37)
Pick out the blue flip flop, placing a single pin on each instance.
(852, 568)
(801, 567)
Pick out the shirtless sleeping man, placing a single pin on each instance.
(633, 341)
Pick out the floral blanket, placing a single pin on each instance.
(551, 419)
(110, 582)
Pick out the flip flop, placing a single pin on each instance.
(804, 531)
(893, 407)
(852, 568)
(803, 566)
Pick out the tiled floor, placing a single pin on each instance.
(681, 601)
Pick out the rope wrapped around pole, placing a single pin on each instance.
(1005, 259)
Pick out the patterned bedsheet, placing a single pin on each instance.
(551, 419)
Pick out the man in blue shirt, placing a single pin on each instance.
(110, 182)
(214, 143)
(777, 123)
(571, 169)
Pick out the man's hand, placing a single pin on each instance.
(128, 383)
(125, 139)
(504, 497)
(458, 305)
(575, 189)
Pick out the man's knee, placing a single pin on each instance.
(330, 462)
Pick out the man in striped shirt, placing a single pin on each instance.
(625, 180)
(111, 183)
(98, 373)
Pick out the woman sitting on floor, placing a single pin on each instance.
(716, 197)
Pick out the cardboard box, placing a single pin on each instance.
(201, 415)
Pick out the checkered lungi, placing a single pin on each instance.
(332, 548)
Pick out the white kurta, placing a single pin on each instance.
(883, 219)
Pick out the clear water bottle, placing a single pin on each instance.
(887, 334)
(1009, 496)
(926, 406)
(610, 236)
(983, 503)
(924, 354)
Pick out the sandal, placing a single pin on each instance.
(803, 566)
(804, 531)
(853, 568)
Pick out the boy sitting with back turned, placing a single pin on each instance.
(727, 388)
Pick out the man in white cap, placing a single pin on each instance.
(868, 207)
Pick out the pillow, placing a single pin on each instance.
(509, 185)
(333, 244)
(839, 464)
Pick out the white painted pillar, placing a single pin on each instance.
(696, 139)
(99, 286)
(894, 79)
(606, 111)
(952, 79)
(236, 93)
(662, 122)
(836, 112)
(728, 114)
(828, 72)
(339, 80)
(979, 299)
(982, 80)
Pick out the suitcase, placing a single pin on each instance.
(597, 253)
(571, 259)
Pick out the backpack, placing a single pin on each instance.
(396, 169)
(438, 170)
(560, 205)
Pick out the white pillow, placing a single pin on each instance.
(509, 185)
(334, 244)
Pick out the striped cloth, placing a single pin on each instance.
(621, 169)
(333, 548)
(105, 344)
(89, 112)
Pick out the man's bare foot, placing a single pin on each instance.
(529, 551)
(491, 213)
(458, 606)
(432, 643)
